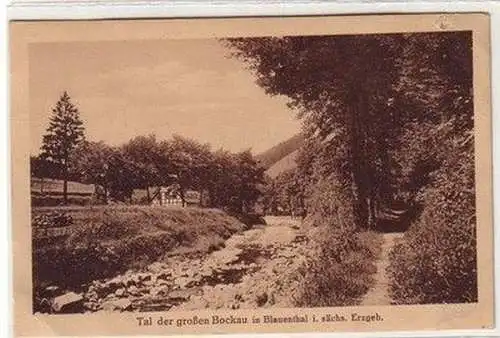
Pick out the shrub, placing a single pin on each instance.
(52, 219)
(330, 203)
(341, 270)
(57, 200)
(436, 261)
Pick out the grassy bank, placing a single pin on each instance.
(100, 242)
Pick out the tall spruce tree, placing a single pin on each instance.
(63, 135)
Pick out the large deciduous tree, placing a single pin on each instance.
(339, 85)
(110, 169)
(64, 133)
(190, 162)
(359, 98)
(42, 169)
(248, 175)
(91, 161)
(151, 164)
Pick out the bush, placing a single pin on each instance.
(341, 270)
(57, 200)
(52, 219)
(330, 203)
(436, 261)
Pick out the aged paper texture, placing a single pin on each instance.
(295, 174)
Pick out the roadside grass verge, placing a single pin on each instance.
(102, 242)
(342, 269)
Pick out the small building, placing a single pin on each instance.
(171, 196)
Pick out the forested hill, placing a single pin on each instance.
(280, 151)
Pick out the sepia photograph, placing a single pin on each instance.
(254, 173)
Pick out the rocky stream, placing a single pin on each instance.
(254, 269)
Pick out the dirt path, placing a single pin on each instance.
(249, 271)
(379, 293)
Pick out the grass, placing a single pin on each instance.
(56, 186)
(79, 194)
(104, 241)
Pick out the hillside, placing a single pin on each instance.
(280, 151)
(286, 163)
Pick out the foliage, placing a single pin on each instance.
(341, 268)
(42, 168)
(190, 162)
(223, 179)
(357, 125)
(285, 194)
(90, 161)
(151, 164)
(54, 219)
(108, 168)
(341, 271)
(248, 175)
(436, 262)
(234, 181)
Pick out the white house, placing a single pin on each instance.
(171, 195)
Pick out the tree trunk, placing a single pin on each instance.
(183, 200)
(41, 185)
(65, 185)
(159, 195)
(371, 213)
(358, 159)
(240, 205)
(105, 186)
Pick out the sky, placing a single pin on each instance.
(128, 88)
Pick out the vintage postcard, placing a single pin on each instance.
(294, 174)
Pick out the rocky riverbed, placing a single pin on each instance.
(254, 269)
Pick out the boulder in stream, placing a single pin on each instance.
(69, 302)
(117, 305)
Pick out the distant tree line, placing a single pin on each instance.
(223, 179)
